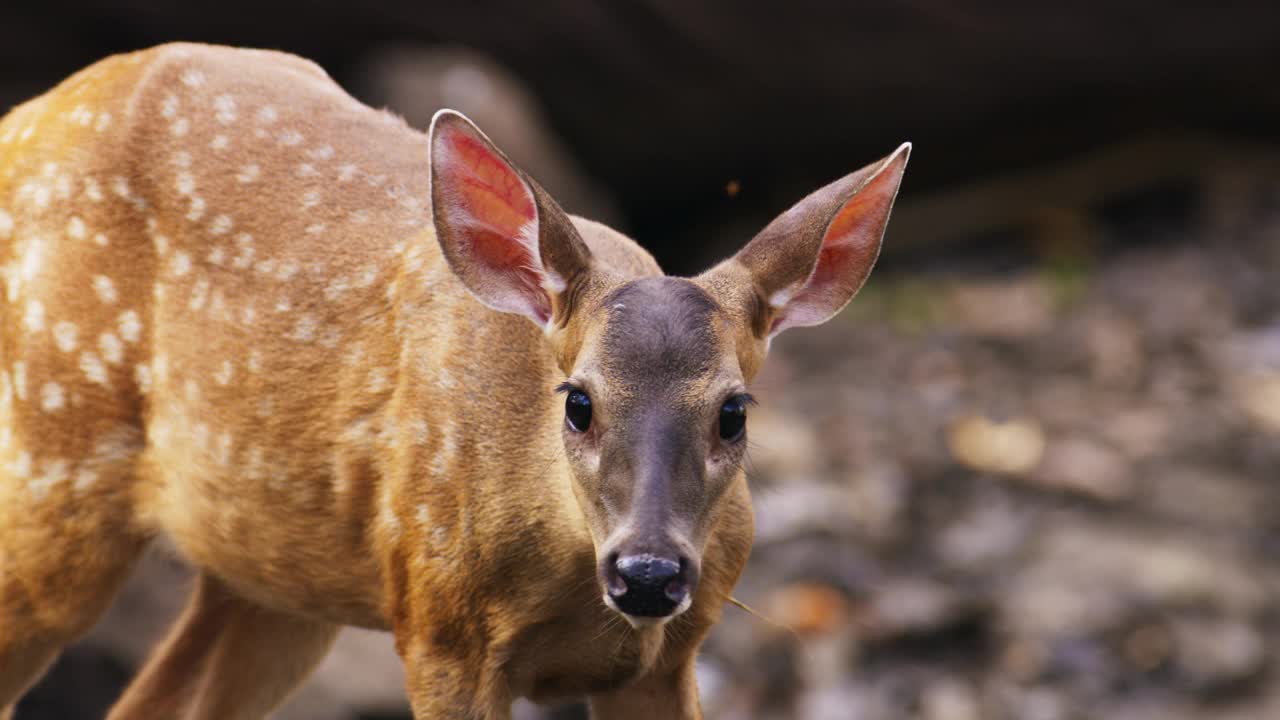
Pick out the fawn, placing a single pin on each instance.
(361, 376)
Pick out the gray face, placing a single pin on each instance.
(653, 461)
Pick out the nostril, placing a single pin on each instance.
(615, 583)
(678, 587)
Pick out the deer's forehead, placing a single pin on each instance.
(662, 335)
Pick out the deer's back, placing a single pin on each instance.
(205, 253)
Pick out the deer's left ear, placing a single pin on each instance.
(810, 261)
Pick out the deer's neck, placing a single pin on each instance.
(478, 468)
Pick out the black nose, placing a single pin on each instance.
(651, 586)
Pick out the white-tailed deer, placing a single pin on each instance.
(362, 376)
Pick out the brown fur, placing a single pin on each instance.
(225, 318)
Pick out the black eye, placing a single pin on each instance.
(577, 411)
(733, 419)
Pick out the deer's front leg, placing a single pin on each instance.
(672, 696)
(450, 683)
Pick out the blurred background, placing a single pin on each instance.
(1031, 473)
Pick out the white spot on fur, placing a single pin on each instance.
(218, 255)
(120, 186)
(305, 329)
(225, 107)
(249, 173)
(92, 190)
(85, 479)
(55, 472)
(21, 465)
(218, 305)
(287, 270)
(76, 228)
(378, 380)
(267, 115)
(310, 199)
(100, 239)
(390, 522)
(185, 184)
(421, 431)
(219, 142)
(367, 276)
(181, 264)
(201, 434)
(130, 326)
(33, 318)
(32, 259)
(193, 78)
(6, 225)
(197, 209)
(290, 138)
(224, 448)
(180, 127)
(169, 108)
(307, 170)
(224, 373)
(248, 315)
(335, 288)
(221, 225)
(244, 256)
(181, 159)
(19, 379)
(199, 295)
(52, 398)
(142, 376)
(105, 289)
(41, 196)
(316, 229)
(111, 347)
(64, 336)
(104, 121)
(444, 454)
(347, 172)
(93, 369)
(254, 363)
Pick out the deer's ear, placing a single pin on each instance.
(502, 235)
(810, 261)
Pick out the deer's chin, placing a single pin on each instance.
(643, 622)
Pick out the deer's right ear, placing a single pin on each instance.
(502, 235)
(810, 261)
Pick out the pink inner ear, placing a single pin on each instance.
(852, 241)
(849, 249)
(493, 212)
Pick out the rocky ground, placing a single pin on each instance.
(1043, 492)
